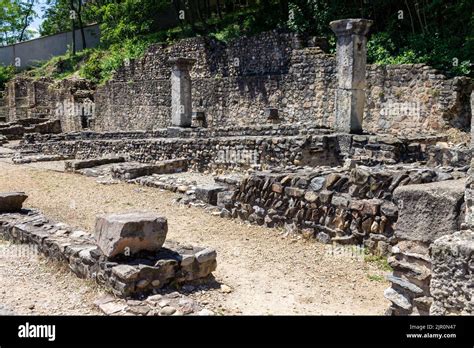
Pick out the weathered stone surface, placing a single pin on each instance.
(405, 284)
(224, 199)
(397, 298)
(429, 211)
(11, 201)
(208, 194)
(131, 170)
(130, 232)
(452, 279)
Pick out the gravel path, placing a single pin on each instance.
(264, 272)
(33, 285)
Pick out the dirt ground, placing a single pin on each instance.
(267, 272)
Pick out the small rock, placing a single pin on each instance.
(168, 310)
(226, 289)
(164, 303)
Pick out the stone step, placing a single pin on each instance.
(72, 166)
(130, 170)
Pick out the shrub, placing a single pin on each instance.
(6, 73)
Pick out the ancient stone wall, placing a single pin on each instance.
(250, 147)
(235, 84)
(123, 277)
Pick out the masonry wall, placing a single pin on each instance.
(234, 84)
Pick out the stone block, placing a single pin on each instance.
(89, 163)
(208, 194)
(11, 202)
(130, 232)
(224, 199)
(429, 211)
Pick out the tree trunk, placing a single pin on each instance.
(73, 30)
(81, 25)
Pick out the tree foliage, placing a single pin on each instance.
(15, 17)
(436, 32)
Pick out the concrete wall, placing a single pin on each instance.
(44, 48)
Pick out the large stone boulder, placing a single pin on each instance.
(429, 211)
(129, 233)
(11, 202)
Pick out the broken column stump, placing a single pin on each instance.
(130, 233)
(11, 202)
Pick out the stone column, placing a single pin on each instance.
(181, 100)
(351, 57)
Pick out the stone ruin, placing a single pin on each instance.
(325, 146)
(128, 254)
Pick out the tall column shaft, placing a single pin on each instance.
(181, 98)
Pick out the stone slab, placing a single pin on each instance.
(11, 201)
(429, 211)
(130, 233)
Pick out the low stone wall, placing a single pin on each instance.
(204, 150)
(16, 130)
(124, 277)
(348, 206)
(177, 132)
(207, 154)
